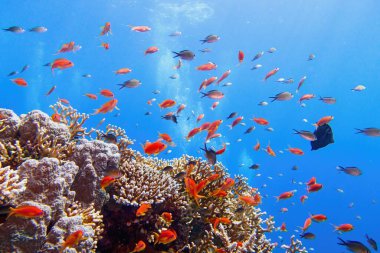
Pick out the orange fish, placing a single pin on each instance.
(92, 96)
(191, 188)
(64, 101)
(20, 81)
(283, 227)
(285, 195)
(193, 132)
(166, 236)
(236, 121)
(318, 217)
(251, 201)
(303, 198)
(105, 45)
(72, 240)
(296, 151)
(217, 221)
(167, 216)
(344, 228)
(141, 28)
(270, 151)
(56, 117)
(107, 93)
(141, 211)
(207, 66)
(180, 108)
(205, 126)
(67, 47)
(61, 63)
(154, 148)
(300, 83)
(306, 97)
(106, 29)
(271, 73)
(219, 193)
(257, 146)
(140, 246)
(123, 71)
(228, 183)
(106, 181)
(324, 120)
(26, 212)
(107, 107)
(224, 76)
(178, 66)
(213, 177)
(261, 121)
(312, 181)
(240, 56)
(214, 105)
(151, 50)
(167, 103)
(307, 224)
(221, 151)
(165, 137)
(314, 188)
(215, 125)
(200, 117)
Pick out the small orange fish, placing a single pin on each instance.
(236, 121)
(167, 216)
(64, 101)
(26, 212)
(222, 150)
(207, 66)
(107, 93)
(261, 121)
(213, 177)
(307, 224)
(105, 45)
(228, 183)
(285, 195)
(214, 126)
(205, 126)
(217, 221)
(154, 148)
(324, 120)
(218, 193)
(318, 217)
(72, 240)
(56, 117)
(123, 71)
(344, 228)
(240, 56)
(165, 137)
(106, 181)
(214, 105)
(140, 28)
(270, 151)
(312, 181)
(300, 83)
(200, 117)
(106, 29)
(296, 151)
(167, 103)
(193, 132)
(166, 236)
(224, 76)
(141, 211)
(192, 189)
(180, 108)
(314, 188)
(151, 50)
(61, 63)
(20, 81)
(92, 96)
(140, 246)
(306, 97)
(257, 146)
(251, 201)
(303, 198)
(271, 73)
(283, 227)
(67, 47)
(107, 107)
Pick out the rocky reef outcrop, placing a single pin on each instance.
(58, 167)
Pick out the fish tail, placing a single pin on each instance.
(274, 98)
(359, 131)
(340, 168)
(204, 94)
(11, 212)
(342, 242)
(203, 41)
(335, 227)
(176, 54)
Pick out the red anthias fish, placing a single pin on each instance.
(207, 66)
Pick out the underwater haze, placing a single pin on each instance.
(333, 44)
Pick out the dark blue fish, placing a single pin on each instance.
(324, 136)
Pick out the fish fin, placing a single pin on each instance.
(359, 131)
(12, 212)
(274, 98)
(176, 54)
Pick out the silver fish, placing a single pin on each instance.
(283, 96)
(133, 83)
(15, 29)
(210, 39)
(38, 29)
(370, 131)
(353, 171)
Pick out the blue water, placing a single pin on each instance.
(343, 36)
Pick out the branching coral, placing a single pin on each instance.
(10, 185)
(294, 246)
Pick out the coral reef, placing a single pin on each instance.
(295, 246)
(59, 167)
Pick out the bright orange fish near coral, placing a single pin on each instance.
(193, 189)
(26, 212)
(154, 148)
(143, 209)
(107, 107)
(72, 240)
(167, 216)
(166, 236)
(140, 246)
(106, 181)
